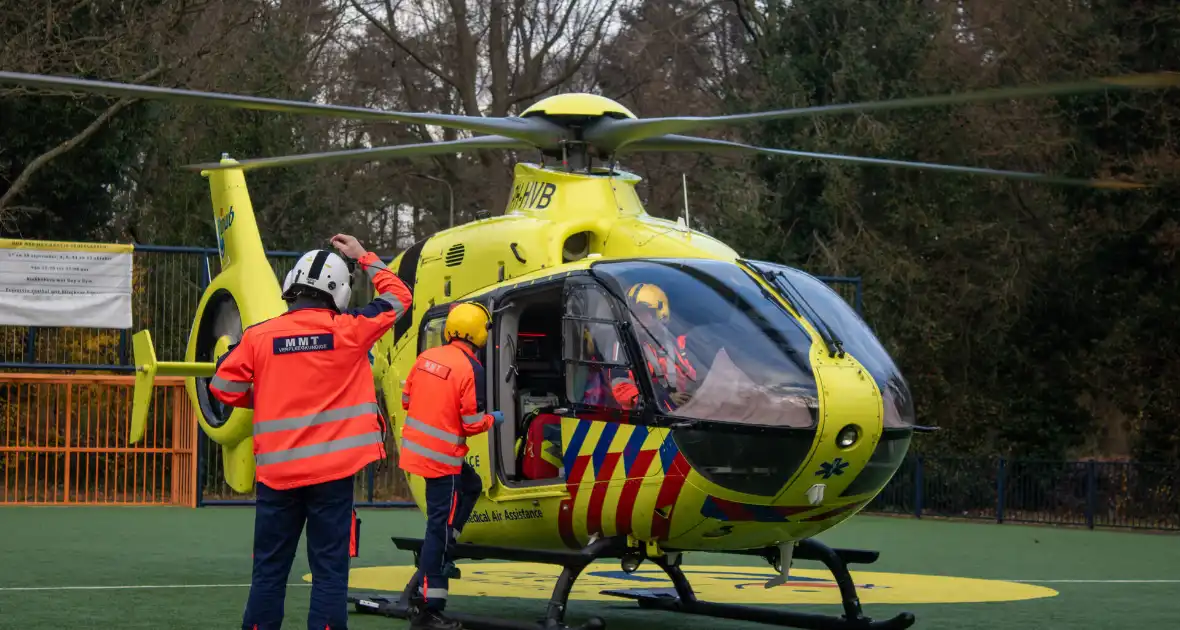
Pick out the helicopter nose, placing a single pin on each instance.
(759, 464)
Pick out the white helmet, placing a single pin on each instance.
(322, 270)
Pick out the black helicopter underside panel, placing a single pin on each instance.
(809, 552)
(468, 551)
(680, 598)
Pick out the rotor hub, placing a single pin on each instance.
(579, 105)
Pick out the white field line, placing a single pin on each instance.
(129, 587)
(1096, 581)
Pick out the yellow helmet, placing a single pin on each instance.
(651, 296)
(470, 321)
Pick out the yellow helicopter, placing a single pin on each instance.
(797, 416)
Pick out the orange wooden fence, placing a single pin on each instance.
(64, 442)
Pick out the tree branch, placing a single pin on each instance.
(755, 37)
(574, 64)
(26, 175)
(436, 71)
(535, 65)
(468, 58)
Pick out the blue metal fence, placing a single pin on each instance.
(1089, 494)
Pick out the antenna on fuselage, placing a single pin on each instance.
(684, 186)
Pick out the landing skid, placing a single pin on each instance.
(682, 600)
(573, 562)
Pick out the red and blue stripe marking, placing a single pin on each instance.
(602, 463)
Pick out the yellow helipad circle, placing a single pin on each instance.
(729, 584)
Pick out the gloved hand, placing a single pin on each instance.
(497, 418)
(626, 393)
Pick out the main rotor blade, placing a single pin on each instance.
(534, 130)
(370, 154)
(688, 143)
(611, 134)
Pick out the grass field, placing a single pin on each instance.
(198, 562)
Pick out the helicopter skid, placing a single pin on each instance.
(573, 562)
(683, 599)
(672, 603)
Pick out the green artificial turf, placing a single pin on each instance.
(205, 554)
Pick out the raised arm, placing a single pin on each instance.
(393, 296)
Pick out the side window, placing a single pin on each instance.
(432, 333)
(594, 355)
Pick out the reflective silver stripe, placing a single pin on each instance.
(436, 593)
(331, 415)
(473, 418)
(434, 432)
(374, 268)
(391, 300)
(430, 453)
(619, 381)
(343, 444)
(231, 387)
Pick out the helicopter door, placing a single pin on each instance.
(592, 347)
(596, 362)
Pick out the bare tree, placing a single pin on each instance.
(484, 58)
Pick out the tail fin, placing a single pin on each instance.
(144, 355)
(146, 370)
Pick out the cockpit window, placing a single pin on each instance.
(716, 346)
(823, 306)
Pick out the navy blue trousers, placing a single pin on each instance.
(279, 518)
(449, 501)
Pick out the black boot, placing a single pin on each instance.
(452, 572)
(433, 620)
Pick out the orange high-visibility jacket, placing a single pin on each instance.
(306, 374)
(624, 389)
(445, 404)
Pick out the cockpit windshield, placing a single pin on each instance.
(824, 307)
(716, 346)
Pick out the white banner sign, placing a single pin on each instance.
(50, 283)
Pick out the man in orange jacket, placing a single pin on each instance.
(306, 375)
(445, 402)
